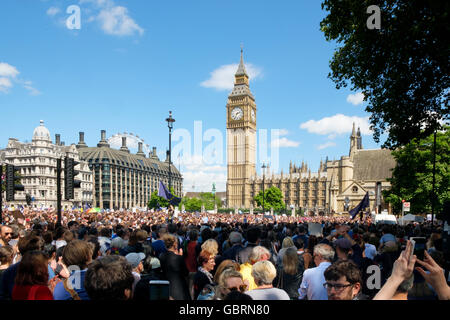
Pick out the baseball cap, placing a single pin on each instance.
(343, 243)
(135, 258)
(154, 262)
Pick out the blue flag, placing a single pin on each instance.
(361, 206)
(163, 192)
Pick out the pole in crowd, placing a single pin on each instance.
(264, 170)
(170, 122)
(58, 190)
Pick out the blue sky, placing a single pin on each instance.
(133, 61)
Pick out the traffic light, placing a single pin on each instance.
(11, 185)
(69, 178)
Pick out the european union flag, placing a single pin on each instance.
(361, 206)
(163, 192)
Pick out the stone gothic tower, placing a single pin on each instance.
(241, 140)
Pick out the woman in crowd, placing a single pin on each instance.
(203, 276)
(287, 243)
(31, 281)
(264, 272)
(289, 274)
(174, 268)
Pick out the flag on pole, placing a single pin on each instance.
(361, 206)
(163, 192)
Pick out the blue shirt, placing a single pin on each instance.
(159, 247)
(61, 294)
(387, 237)
(312, 283)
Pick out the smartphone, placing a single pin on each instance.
(159, 289)
(419, 246)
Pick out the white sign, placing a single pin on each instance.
(406, 206)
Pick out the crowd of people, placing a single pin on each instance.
(149, 255)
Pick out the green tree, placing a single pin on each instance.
(402, 69)
(412, 177)
(157, 201)
(193, 204)
(273, 198)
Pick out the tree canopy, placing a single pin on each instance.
(273, 198)
(413, 175)
(159, 202)
(205, 198)
(402, 68)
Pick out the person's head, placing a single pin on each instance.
(299, 243)
(6, 234)
(343, 248)
(6, 256)
(231, 280)
(237, 295)
(161, 232)
(290, 261)
(68, 236)
(109, 278)
(405, 286)
(33, 269)
(77, 253)
(193, 235)
(135, 260)
(287, 242)
(73, 225)
(95, 245)
(211, 245)
(105, 232)
(342, 280)
(259, 253)
(151, 264)
(235, 238)
(30, 243)
(253, 234)
(170, 241)
(263, 272)
(323, 253)
(225, 265)
(206, 260)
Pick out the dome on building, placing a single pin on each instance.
(41, 132)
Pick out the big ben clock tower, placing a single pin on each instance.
(241, 140)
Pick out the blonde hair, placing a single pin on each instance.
(211, 245)
(263, 272)
(290, 261)
(257, 254)
(287, 242)
(224, 266)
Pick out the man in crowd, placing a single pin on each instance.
(5, 235)
(343, 280)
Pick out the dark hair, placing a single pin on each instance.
(77, 253)
(172, 228)
(345, 268)
(33, 269)
(253, 234)
(30, 243)
(95, 246)
(6, 254)
(299, 244)
(237, 295)
(193, 235)
(108, 278)
(72, 223)
(105, 232)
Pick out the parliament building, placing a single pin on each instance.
(337, 186)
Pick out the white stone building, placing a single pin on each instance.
(37, 164)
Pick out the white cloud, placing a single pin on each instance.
(202, 180)
(116, 21)
(8, 76)
(5, 84)
(7, 70)
(326, 145)
(52, 11)
(337, 124)
(284, 143)
(356, 98)
(222, 78)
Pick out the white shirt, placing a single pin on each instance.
(312, 283)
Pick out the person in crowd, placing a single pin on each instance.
(224, 265)
(158, 245)
(313, 279)
(289, 273)
(27, 243)
(257, 254)
(235, 240)
(137, 267)
(264, 272)
(230, 280)
(309, 251)
(287, 243)
(343, 280)
(174, 269)
(190, 257)
(31, 281)
(203, 276)
(77, 255)
(6, 260)
(109, 278)
(370, 251)
(237, 295)
(105, 241)
(136, 242)
(5, 235)
(152, 271)
(253, 238)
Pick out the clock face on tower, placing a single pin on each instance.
(237, 114)
(253, 115)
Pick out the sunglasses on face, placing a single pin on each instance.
(241, 288)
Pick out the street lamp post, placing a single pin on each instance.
(170, 122)
(433, 198)
(264, 195)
